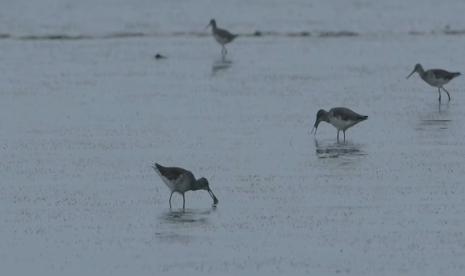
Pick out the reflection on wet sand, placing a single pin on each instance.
(173, 237)
(335, 150)
(175, 225)
(443, 108)
(221, 65)
(439, 123)
(188, 216)
(434, 120)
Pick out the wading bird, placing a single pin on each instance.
(221, 36)
(435, 77)
(341, 118)
(180, 180)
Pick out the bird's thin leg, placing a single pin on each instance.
(170, 198)
(223, 50)
(338, 135)
(344, 135)
(183, 201)
(448, 95)
(439, 91)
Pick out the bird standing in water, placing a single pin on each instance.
(341, 118)
(180, 180)
(221, 36)
(435, 77)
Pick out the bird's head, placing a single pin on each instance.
(321, 115)
(202, 184)
(418, 68)
(212, 23)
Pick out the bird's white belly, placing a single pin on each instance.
(340, 124)
(437, 82)
(433, 81)
(179, 185)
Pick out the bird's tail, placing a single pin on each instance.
(157, 167)
(363, 118)
(456, 74)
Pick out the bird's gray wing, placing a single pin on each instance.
(346, 114)
(225, 33)
(171, 173)
(443, 74)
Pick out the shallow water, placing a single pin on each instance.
(83, 121)
(103, 17)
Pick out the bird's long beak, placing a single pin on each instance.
(215, 200)
(411, 73)
(315, 127)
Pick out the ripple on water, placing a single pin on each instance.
(337, 150)
(199, 216)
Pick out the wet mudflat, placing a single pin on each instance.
(83, 121)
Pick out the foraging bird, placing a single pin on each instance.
(159, 56)
(340, 117)
(435, 77)
(221, 36)
(180, 180)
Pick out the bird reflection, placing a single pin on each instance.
(442, 109)
(188, 215)
(336, 150)
(432, 120)
(221, 65)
